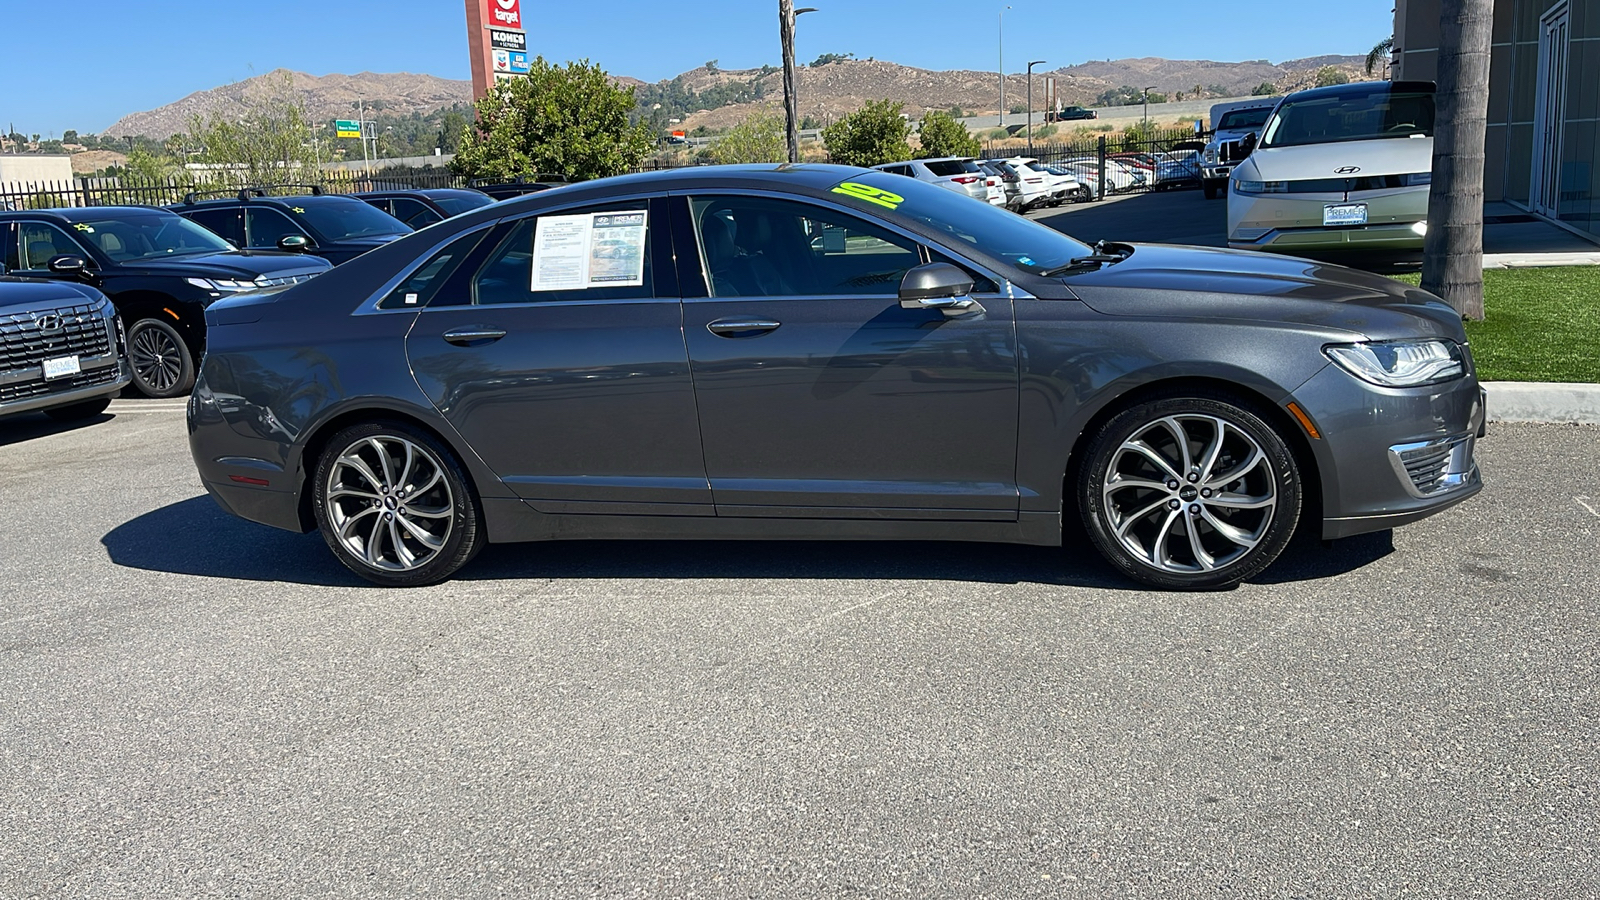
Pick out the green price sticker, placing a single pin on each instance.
(870, 194)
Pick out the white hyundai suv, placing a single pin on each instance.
(1338, 168)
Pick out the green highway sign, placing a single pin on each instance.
(347, 128)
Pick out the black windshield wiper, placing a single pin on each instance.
(1096, 259)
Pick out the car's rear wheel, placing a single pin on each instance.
(394, 505)
(72, 412)
(161, 362)
(1188, 493)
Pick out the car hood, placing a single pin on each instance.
(29, 293)
(247, 265)
(1388, 156)
(1166, 281)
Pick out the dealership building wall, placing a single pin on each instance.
(1544, 85)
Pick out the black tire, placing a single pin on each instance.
(161, 362)
(1211, 190)
(1238, 527)
(74, 412)
(396, 519)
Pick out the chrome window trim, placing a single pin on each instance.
(885, 224)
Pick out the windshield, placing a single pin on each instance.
(1022, 242)
(1243, 119)
(134, 236)
(1379, 113)
(466, 201)
(341, 218)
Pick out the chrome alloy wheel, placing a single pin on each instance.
(1189, 493)
(156, 358)
(389, 503)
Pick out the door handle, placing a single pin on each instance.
(735, 328)
(474, 335)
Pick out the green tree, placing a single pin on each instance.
(70, 136)
(942, 135)
(1264, 89)
(264, 140)
(758, 139)
(569, 120)
(1327, 76)
(874, 134)
(1378, 54)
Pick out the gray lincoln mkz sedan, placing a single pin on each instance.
(821, 352)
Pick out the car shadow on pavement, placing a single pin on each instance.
(195, 537)
(28, 427)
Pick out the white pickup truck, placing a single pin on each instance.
(1230, 122)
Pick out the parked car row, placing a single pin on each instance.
(1019, 184)
(158, 269)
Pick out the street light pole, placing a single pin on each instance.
(791, 104)
(1147, 108)
(1003, 67)
(1030, 103)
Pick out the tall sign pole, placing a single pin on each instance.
(791, 103)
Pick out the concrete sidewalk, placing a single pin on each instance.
(1535, 401)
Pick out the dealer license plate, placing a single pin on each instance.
(1344, 214)
(60, 367)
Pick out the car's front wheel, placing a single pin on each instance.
(1189, 493)
(394, 505)
(161, 362)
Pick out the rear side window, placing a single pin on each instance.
(414, 212)
(596, 253)
(224, 223)
(947, 167)
(419, 288)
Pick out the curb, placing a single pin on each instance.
(1543, 401)
(1538, 260)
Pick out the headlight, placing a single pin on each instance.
(1400, 363)
(222, 285)
(1261, 187)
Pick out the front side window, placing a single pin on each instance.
(596, 253)
(1378, 113)
(41, 242)
(761, 247)
(266, 226)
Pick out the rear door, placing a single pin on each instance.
(558, 354)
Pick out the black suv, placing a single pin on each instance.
(160, 270)
(421, 207)
(336, 228)
(60, 349)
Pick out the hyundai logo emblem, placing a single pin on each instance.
(47, 322)
(1346, 170)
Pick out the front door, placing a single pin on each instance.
(818, 394)
(561, 361)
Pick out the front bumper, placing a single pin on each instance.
(1289, 223)
(101, 377)
(1388, 457)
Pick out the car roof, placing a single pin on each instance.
(285, 200)
(1360, 88)
(80, 213)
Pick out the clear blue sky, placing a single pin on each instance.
(84, 64)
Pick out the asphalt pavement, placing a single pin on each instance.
(194, 706)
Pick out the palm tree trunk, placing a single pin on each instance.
(1452, 251)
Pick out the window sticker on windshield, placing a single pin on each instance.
(84, 227)
(870, 194)
(588, 251)
(297, 209)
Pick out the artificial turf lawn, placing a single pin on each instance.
(1539, 324)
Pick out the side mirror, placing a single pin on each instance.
(70, 266)
(294, 243)
(1248, 143)
(939, 286)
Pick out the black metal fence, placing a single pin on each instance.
(133, 191)
(1151, 160)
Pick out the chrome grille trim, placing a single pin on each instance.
(84, 332)
(1434, 467)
